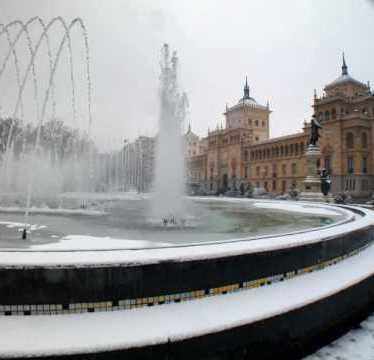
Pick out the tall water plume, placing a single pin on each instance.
(169, 172)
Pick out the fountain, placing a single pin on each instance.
(205, 276)
(48, 154)
(170, 177)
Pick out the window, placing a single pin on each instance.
(256, 123)
(286, 150)
(284, 169)
(350, 165)
(249, 122)
(246, 155)
(327, 115)
(328, 164)
(296, 149)
(263, 123)
(364, 165)
(257, 171)
(364, 140)
(256, 138)
(293, 168)
(274, 170)
(246, 172)
(284, 186)
(333, 114)
(274, 185)
(265, 171)
(349, 140)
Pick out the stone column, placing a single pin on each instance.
(312, 182)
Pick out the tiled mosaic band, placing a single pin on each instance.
(126, 304)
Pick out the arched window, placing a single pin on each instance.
(349, 140)
(286, 150)
(281, 150)
(364, 164)
(291, 149)
(328, 164)
(327, 115)
(364, 140)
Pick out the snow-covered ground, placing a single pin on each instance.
(357, 344)
(81, 333)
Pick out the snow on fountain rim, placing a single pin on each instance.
(134, 257)
(50, 211)
(59, 334)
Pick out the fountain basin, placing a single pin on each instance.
(137, 282)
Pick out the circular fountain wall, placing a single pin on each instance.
(101, 274)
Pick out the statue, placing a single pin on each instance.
(314, 134)
(325, 182)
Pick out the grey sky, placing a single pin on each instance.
(287, 48)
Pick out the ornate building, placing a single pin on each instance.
(242, 152)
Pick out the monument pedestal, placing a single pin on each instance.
(312, 182)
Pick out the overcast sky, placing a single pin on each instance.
(286, 48)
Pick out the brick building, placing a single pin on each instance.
(243, 152)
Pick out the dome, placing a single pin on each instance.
(247, 101)
(344, 79)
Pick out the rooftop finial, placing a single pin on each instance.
(344, 67)
(246, 89)
(189, 127)
(369, 88)
(315, 94)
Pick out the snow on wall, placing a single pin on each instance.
(94, 332)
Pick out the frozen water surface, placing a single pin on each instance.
(127, 224)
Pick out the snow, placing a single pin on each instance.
(90, 243)
(49, 211)
(299, 208)
(20, 226)
(82, 333)
(107, 196)
(356, 344)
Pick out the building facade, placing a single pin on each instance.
(242, 152)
